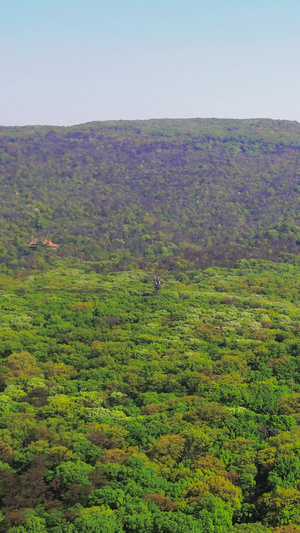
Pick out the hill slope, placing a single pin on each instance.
(168, 192)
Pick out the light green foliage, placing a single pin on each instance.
(70, 473)
(96, 519)
(127, 411)
(213, 514)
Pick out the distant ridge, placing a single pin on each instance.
(169, 126)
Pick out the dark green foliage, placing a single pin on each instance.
(169, 193)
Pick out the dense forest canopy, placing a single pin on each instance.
(131, 411)
(162, 192)
(150, 363)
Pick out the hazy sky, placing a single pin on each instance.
(71, 61)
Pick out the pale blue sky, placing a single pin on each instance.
(66, 62)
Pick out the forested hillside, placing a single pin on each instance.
(172, 193)
(130, 408)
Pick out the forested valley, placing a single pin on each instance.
(130, 408)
